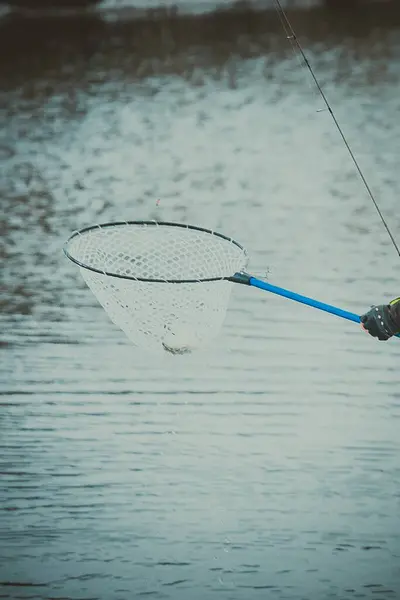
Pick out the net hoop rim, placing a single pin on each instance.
(151, 223)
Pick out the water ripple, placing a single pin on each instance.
(268, 465)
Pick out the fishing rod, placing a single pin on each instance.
(291, 35)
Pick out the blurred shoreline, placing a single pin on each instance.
(130, 9)
(28, 47)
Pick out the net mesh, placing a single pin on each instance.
(176, 311)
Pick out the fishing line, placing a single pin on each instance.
(291, 35)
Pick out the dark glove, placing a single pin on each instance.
(382, 321)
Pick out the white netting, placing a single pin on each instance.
(177, 317)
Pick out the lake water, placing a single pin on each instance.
(269, 466)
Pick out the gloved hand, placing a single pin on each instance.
(382, 321)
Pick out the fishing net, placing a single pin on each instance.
(161, 283)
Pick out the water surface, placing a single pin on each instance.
(267, 467)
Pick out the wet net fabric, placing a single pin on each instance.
(159, 315)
